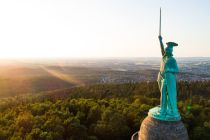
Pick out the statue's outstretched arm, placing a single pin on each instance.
(161, 45)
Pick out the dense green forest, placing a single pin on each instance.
(99, 112)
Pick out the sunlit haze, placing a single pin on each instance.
(102, 28)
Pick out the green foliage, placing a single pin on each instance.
(97, 112)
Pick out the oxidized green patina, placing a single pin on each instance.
(167, 84)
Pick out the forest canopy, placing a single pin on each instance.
(99, 112)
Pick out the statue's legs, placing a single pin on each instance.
(172, 95)
(163, 98)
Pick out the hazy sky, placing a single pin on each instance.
(102, 28)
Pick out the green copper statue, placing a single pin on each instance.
(167, 110)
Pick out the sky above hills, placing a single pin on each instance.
(102, 28)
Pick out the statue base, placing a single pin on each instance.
(153, 129)
(156, 113)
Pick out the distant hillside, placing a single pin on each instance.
(32, 76)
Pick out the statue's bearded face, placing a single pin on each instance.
(169, 50)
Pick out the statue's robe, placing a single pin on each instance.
(167, 84)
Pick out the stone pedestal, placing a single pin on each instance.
(153, 129)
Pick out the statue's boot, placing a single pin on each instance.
(172, 111)
(163, 98)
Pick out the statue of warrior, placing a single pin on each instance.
(167, 84)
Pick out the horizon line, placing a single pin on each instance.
(16, 58)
